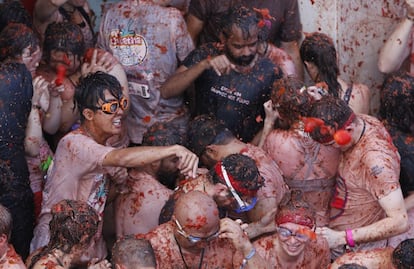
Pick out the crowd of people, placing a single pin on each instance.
(182, 135)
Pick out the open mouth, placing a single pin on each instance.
(117, 122)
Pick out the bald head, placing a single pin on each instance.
(197, 213)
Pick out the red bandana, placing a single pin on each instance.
(236, 184)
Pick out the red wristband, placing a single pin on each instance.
(349, 239)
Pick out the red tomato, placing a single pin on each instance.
(342, 137)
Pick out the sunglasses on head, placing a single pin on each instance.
(195, 239)
(113, 106)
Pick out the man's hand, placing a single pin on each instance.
(234, 230)
(40, 85)
(97, 60)
(188, 163)
(271, 112)
(221, 64)
(334, 238)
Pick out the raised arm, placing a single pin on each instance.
(194, 27)
(292, 48)
(396, 48)
(269, 121)
(139, 156)
(34, 126)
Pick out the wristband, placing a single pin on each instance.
(247, 258)
(349, 239)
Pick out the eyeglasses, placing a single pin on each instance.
(286, 233)
(113, 106)
(195, 239)
(243, 206)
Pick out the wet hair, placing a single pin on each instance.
(334, 112)
(243, 169)
(206, 130)
(92, 88)
(241, 17)
(6, 222)
(73, 223)
(397, 101)
(402, 256)
(319, 49)
(162, 134)
(291, 99)
(294, 209)
(14, 12)
(133, 253)
(352, 266)
(14, 38)
(63, 36)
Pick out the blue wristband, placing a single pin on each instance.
(247, 258)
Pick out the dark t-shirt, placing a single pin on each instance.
(286, 25)
(16, 91)
(235, 99)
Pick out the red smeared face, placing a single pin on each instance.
(67, 59)
(292, 246)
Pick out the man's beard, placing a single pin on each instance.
(168, 179)
(242, 60)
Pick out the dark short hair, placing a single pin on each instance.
(289, 98)
(397, 101)
(319, 49)
(92, 88)
(334, 112)
(14, 38)
(205, 130)
(241, 17)
(402, 256)
(243, 169)
(163, 134)
(64, 36)
(133, 252)
(14, 12)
